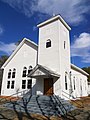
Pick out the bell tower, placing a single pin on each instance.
(54, 44)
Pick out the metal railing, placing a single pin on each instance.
(60, 104)
(76, 102)
(16, 95)
(63, 109)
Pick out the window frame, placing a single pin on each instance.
(48, 43)
(66, 86)
(9, 73)
(8, 84)
(12, 84)
(30, 69)
(24, 84)
(29, 85)
(74, 85)
(64, 44)
(24, 74)
(14, 73)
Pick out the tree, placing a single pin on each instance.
(18, 42)
(87, 69)
(2, 61)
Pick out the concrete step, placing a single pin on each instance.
(47, 105)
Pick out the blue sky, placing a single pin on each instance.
(19, 18)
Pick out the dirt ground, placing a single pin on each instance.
(81, 113)
(83, 109)
(6, 114)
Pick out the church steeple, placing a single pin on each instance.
(54, 44)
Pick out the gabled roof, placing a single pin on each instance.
(17, 49)
(79, 69)
(40, 70)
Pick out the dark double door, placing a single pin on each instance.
(48, 86)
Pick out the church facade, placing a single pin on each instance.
(45, 69)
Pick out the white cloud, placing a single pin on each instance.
(1, 30)
(72, 10)
(81, 47)
(7, 48)
(24, 6)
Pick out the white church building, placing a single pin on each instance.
(45, 69)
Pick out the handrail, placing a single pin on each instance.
(71, 99)
(64, 115)
(68, 94)
(60, 104)
(13, 95)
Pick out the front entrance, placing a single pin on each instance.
(48, 86)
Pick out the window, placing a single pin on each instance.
(12, 85)
(30, 69)
(9, 74)
(23, 84)
(81, 87)
(64, 44)
(8, 84)
(66, 82)
(13, 73)
(85, 85)
(48, 43)
(74, 82)
(24, 72)
(29, 84)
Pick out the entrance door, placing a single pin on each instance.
(48, 86)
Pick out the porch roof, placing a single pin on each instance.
(40, 70)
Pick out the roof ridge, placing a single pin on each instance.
(17, 48)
